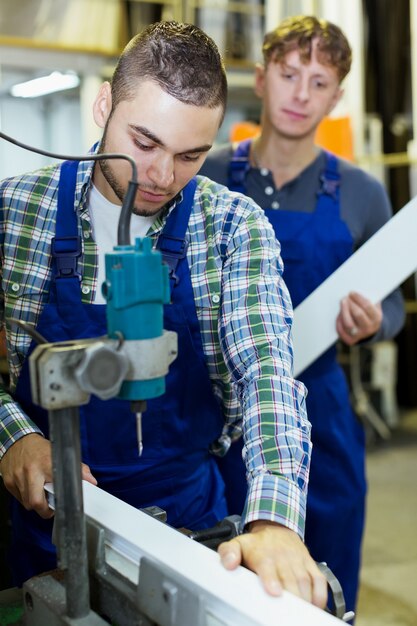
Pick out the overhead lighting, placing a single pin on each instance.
(45, 85)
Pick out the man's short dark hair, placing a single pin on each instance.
(180, 58)
(298, 33)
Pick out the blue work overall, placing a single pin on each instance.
(176, 471)
(313, 246)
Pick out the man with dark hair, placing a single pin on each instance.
(322, 208)
(229, 307)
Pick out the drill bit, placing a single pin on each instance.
(139, 432)
(138, 407)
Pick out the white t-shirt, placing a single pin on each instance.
(104, 217)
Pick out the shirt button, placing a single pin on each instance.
(86, 234)
(264, 171)
(275, 205)
(216, 298)
(85, 289)
(15, 287)
(269, 191)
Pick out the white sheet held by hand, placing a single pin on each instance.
(374, 271)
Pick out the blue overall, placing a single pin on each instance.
(313, 246)
(176, 470)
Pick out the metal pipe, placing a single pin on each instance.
(70, 537)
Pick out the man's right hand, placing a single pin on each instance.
(26, 467)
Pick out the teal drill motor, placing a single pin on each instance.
(136, 289)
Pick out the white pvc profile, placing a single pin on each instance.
(374, 271)
(231, 598)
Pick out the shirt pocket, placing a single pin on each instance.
(23, 301)
(23, 297)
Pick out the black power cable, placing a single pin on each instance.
(123, 230)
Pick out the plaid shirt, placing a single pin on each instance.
(243, 308)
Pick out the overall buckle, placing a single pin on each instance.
(65, 253)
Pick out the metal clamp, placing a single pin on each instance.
(337, 594)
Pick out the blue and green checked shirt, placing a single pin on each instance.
(242, 304)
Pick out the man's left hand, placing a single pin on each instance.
(281, 560)
(358, 319)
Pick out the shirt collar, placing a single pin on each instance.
(84, 180)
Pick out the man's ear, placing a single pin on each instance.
(102, 105)
(259, 80)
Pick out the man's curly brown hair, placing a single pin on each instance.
(298, 33)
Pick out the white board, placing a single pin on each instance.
(375, 270)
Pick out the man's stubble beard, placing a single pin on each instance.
(114, 184)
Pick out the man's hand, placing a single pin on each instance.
(281, 560)
(26, 467)
(358, 319)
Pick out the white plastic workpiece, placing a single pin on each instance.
(229, 597)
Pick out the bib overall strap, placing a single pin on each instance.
(239, 166)
(329, 191)
(66, 245)
(172, 242)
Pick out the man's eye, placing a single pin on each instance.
(191, 157)
(142, 146)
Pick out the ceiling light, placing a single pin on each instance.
(45, 85)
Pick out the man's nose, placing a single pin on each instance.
(161, 172)
(303, 90)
